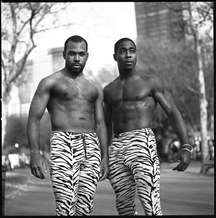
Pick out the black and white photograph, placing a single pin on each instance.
(107, 108)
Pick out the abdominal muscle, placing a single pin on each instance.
(75, 120)
(131, 118)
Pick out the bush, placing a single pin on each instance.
(16, 132)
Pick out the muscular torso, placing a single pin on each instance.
(131, 102)
(71, 104)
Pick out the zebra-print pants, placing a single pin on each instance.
(74, 171)
(134, 166)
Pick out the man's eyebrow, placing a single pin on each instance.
(76, 51)
(121, 48)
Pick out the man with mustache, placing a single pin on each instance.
(78, 156)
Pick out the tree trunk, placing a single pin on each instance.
(203, 105)
(5, 102)
(4, 119)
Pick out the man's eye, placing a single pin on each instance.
(122, 51)
(82, 54)
(71, 53)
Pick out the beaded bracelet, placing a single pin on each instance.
(187, 147)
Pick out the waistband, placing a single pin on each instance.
(146, 130)
(72, 133)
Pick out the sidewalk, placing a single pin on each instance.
(17, 180)
(182, 193)
(194, 167)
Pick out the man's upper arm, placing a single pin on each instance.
(99, 107)
(40, 100)
(107, 107)
(163, 96)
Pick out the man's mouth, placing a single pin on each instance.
(129, 62)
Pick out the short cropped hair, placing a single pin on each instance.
(76, 38)
(117, 44)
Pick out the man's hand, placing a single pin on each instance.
(104, 169)
(38, 165)
(185, 159)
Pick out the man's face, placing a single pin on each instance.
(75, 56)
(126, 55)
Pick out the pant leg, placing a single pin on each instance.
(66, 154)
(146, 171)
(121, 179)
(89, 175)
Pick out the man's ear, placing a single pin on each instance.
(63, 54)
(114, 56)
(87, 54)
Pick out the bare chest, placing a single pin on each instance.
(132, 97)
(131, 91)
(71, 90)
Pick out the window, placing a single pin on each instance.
(57, 58)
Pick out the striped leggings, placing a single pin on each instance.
(74, 171)
(134, 166)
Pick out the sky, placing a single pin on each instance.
(100, 23)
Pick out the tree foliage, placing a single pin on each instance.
(187, 66)
(176, 61)
(176, 66)
(20, 22)
(16, 132)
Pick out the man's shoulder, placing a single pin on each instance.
(51, 79)
(110, 86)
(152, 79)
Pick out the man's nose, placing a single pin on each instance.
(128, 54)
(77, 57)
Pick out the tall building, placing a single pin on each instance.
(162, 21)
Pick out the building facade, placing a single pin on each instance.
(161, 21)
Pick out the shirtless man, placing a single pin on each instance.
(77, 154)
(130, 103)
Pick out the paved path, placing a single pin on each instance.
(182, 193)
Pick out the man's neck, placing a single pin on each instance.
(124, 74)
(71, 74)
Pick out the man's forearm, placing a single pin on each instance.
(179, 127)
(109, 135)
(33, 136)
(102, 135)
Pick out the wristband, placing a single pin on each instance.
(187, 147)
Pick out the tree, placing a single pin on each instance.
(16, 131)
(200, 25)
(175, 64)
(188, 69)
(20, 23)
